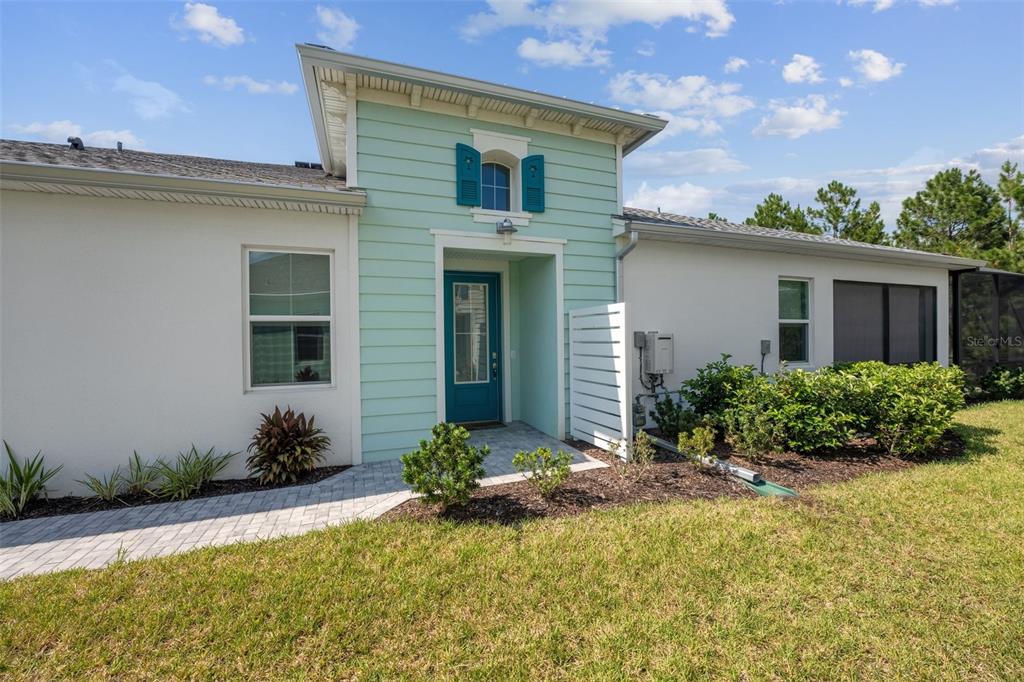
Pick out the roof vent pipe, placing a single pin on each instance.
(120, 147)
(76, 143)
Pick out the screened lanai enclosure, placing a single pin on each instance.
(988, 324)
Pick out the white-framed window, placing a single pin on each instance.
(795, 320)
(289, 311)
(496, 186)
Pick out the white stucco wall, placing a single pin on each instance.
(723, 300)
(122, 329)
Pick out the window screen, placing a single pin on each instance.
(892, 323)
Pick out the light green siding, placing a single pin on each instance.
(407, 165)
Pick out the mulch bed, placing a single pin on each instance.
(671, 477)
(71, 504)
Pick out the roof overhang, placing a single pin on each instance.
(333, 78)
(704, 236)
(53, 179)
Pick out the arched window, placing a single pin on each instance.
(497, 187)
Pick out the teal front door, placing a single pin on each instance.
(472, 347)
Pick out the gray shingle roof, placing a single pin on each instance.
(150, 163)
(642, 215)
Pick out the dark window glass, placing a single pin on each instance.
(859, 322)
(497, 186)
(892, 323)
(793, 341)
(287, 353)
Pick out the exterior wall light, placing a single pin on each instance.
(506, 229)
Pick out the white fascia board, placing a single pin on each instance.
(316, 112)
(349, 63)
(23, 172)
(699, 235)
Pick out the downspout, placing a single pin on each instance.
(634, 239)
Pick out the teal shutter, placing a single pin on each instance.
(467, 175)
(533, 183)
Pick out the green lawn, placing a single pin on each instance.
(917, 574)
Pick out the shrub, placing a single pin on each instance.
(1002, 383)
(712, 390)
(23, 482)
(751, 424)
(106, 488)
(697, 444)
(637, 458)
(446, 469)
(793, 410)
(544, 470)
(186, 476)
(140, 475)
(908, 407)
(672, 417)
(285, 446)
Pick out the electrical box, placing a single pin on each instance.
(658, 352)
(639, 339)
(766, 346)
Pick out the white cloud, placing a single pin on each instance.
(690, 162)
(877, 5)
(645, 49)
(888, 185)
(875, 66)
(584, 24)
(150, 99)
(807, 115)
(735, 64)
(802, 69)
(337, 29)
(54, 131)
(683, 124)
(882, 5)
(110, 138)
(251, 85)
(846, 82)
(684, 198)
(692, 95)
(60, 131)
(211, 26)
(565, 53)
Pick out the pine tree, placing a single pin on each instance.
(839, 215)
(1011, 191)
(955, 213)
(777, 213)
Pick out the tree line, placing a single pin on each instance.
(956, 213)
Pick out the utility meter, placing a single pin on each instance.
(658, 351)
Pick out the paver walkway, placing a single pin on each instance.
(94, 539)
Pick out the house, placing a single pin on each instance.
(426, 269)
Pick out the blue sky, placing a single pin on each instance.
(763, 96)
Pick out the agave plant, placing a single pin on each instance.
(284, 446)
(23, 482)
(107, 488)
(140, 475)
(186, 476)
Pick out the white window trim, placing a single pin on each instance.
(248, 319)
(511, 147)
(486, 215)
(809, 322)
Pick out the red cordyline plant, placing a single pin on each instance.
(285, 446)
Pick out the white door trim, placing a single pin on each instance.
(495, 244)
